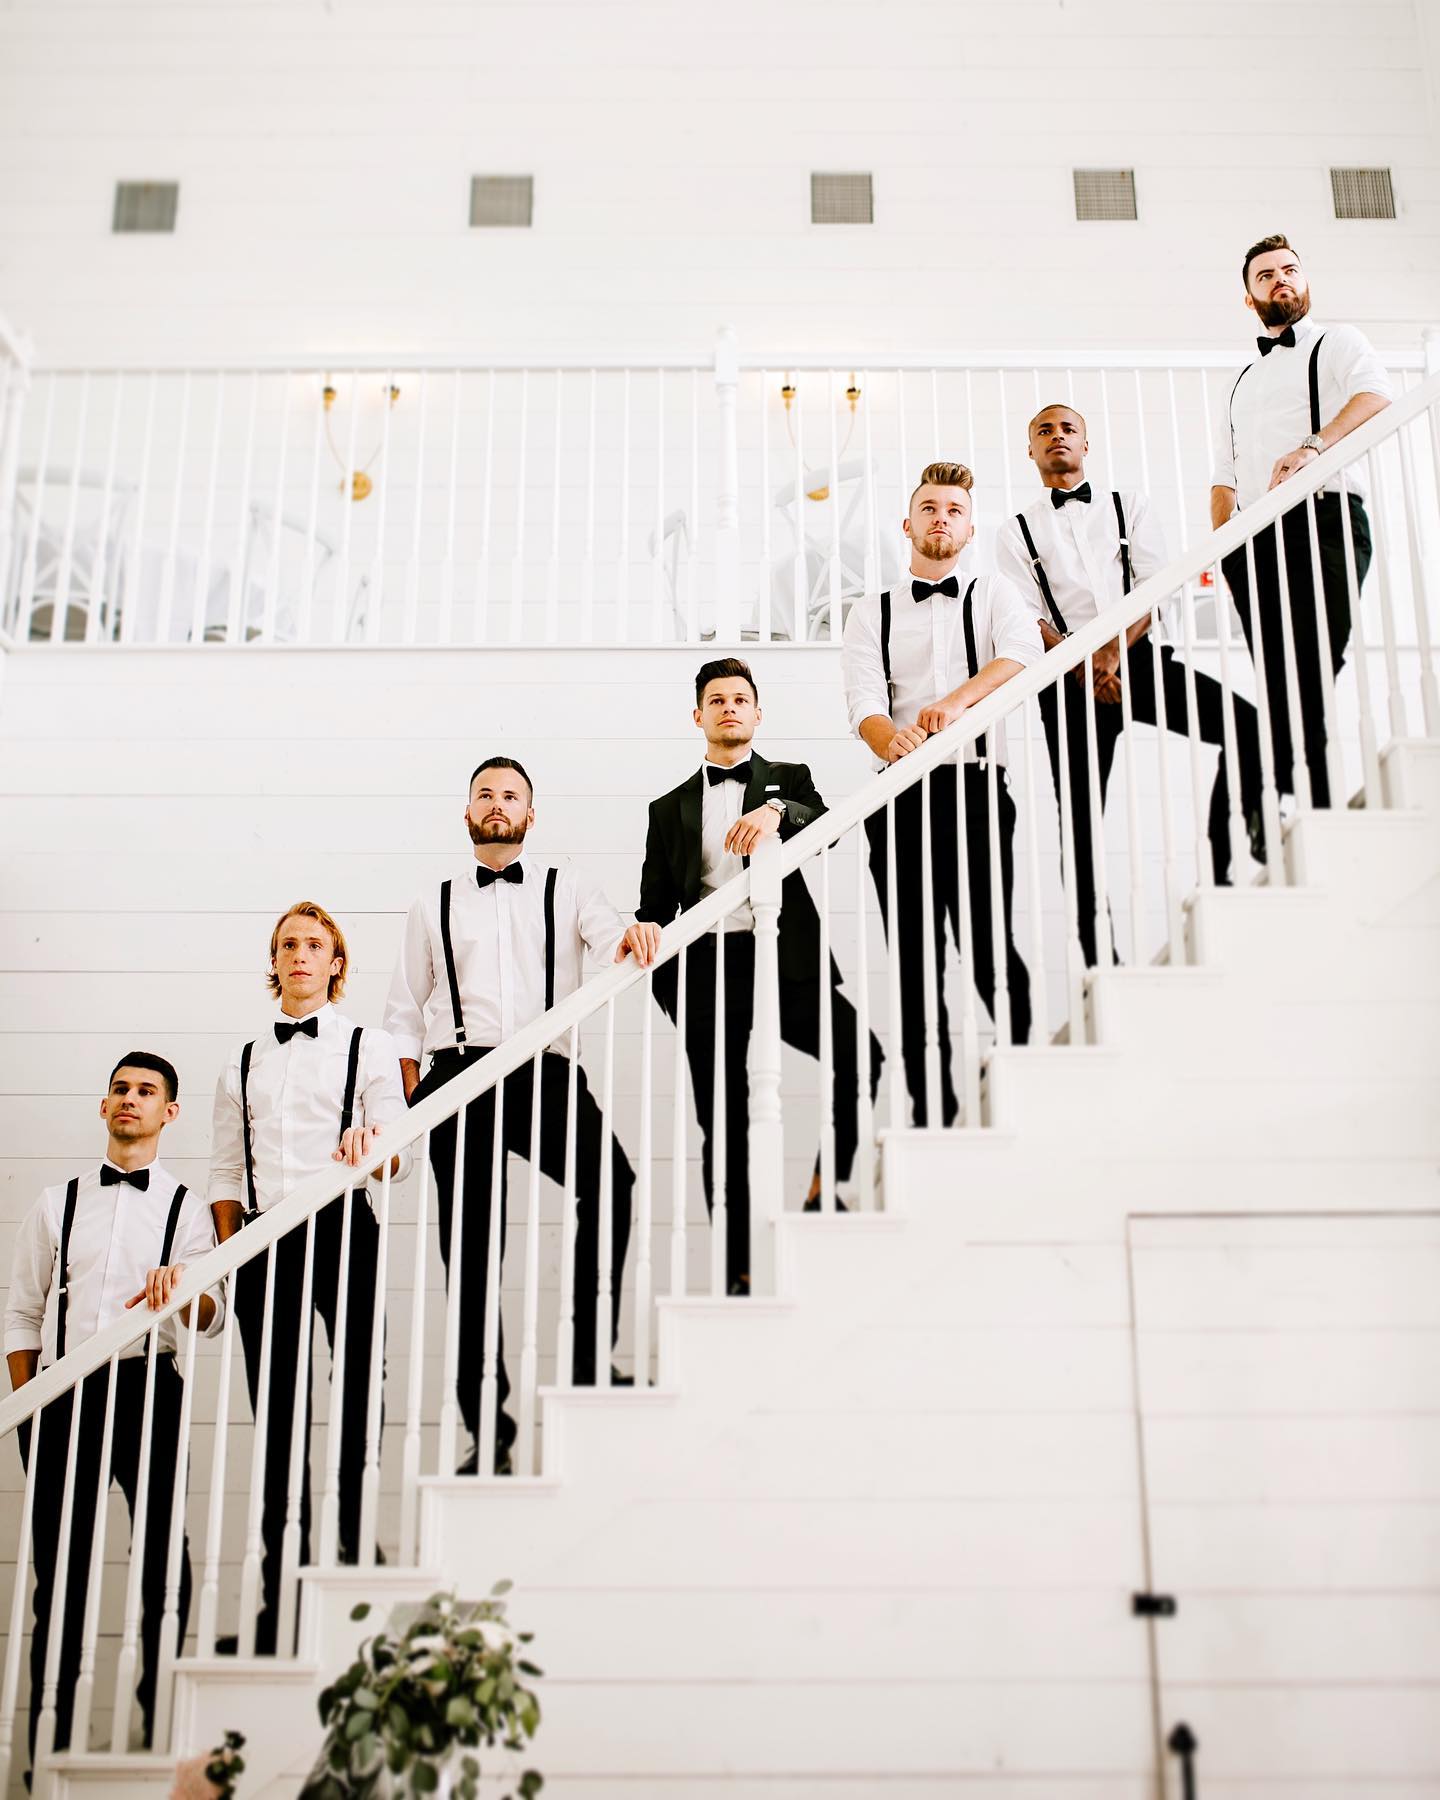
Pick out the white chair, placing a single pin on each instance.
(89, 575)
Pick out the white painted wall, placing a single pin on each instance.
(325, 152)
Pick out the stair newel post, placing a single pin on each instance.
(767, 1130)
(727, 496)
(19, 1591)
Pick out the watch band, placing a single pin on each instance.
(779, 805)
(1313, 442)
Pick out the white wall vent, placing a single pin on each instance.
(1104, 193)
(146, 205)
(502, 199)
(841, 200)
(1362, 193)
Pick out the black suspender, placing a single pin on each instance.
(352, 1076)
(450, 967)
(253, 1209)
(447, 943)
(1042, 579)
(550, 875)
(347, 1110)
(62, 1293)
(1315, 384)
(1313, 377)
(1124, 543)
(885, 649)
(972, 661)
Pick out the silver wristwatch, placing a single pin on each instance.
(1313, 442)
(779, 805)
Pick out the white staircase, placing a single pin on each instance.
(1167, 1322)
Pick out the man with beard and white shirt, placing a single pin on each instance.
(914, 660)
(485, 954)
(1076, 554)
(81, 1254)
(1310, 386)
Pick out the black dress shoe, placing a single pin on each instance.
(813, 1204)
(504, 1463)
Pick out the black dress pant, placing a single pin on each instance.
(45, 1524)
(1110, 722)
(909, 918)
(290, 1330)
(800, 1003)
(474, 1270)
(1329, 532)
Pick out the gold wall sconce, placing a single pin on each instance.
(361, 484)
(789, 393)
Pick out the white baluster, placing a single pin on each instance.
(290, 1544)
(727, 510)
(1237, 802)
(604, 1305)
(215, 1511)
(28, 568)
(415, 1382)
(657, 557)
(329, 1508)
(1039, 989)
(1420, 598)
(557, 476)
(59, 1585)
(826, 1058)
(480, 630)
(1132, 801)
(494, 1255)
(834, 511)
(999, 936)
(692, 535)
(1074, 953)
(19, 1589)
(767, 1130)
(587, 573)
(200, 590)
(1104, 936)
(718, 1279)
(872, 512)
(445, 632)
(1269, 797)
(1110, 481)
(965, 936)
(1300, 762)
(1369, 744)
(95, 1574)
(569, 1224)
(171, 1636)
(450, 1374)
(899, 1109)
(517, 561)
(417, 524)
(375, 1389)
(130, 1630)
(622, 567)
(931, 975)
(1334, 753)
(1005, 444)
(277, 528)
(340, 616)
(1174, 918)
(644, 1206)
(1399, 724)
(767, 512)
(679, 1283)
(800, 596)
(96, 614)
(134, 584)
(305, 632)
(864, 1101)
(526, 1460)
(239, 562)
(61, 601)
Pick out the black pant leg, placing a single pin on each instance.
(53, 1453)
(289, 1335)
(700, 1054)
(473, 1273)
(354, 1395)
(1108, 721)
(165, 1454)
(908, 925)
(589, 1152)
(977, 825)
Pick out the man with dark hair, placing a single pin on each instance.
(115, 1237)
(499, 943)
(314, 1090)
(1309, 387)
(1075, 555)
(914, 661)
(700, 835)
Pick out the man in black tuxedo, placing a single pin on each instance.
(700, 833)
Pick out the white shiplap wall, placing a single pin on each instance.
(324, 155)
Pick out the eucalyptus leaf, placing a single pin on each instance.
(362, 1611)
(502, 1587)
(424, 1778)
(358, 1724)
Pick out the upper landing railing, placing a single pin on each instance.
(732, 498)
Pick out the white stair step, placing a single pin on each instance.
(142, 1776)
(1410, 775)
(1363, 855)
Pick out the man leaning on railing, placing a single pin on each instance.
(114, 1237)
(1309, 387)
(914, 660)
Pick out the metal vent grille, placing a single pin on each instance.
(1362, 193)
(146, 205)
(501, 199)
(1104, 193)
(841, 200)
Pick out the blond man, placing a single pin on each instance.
(316, 1091)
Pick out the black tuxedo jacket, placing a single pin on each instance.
(670, 879)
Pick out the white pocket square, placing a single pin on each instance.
(773, 788)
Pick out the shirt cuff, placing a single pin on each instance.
(21, 1337)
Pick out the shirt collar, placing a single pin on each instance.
(156, 1168)
(322, 1014)
(523, 859)
(744, 762)
(1304, 330)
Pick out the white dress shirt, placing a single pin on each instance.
(116, 1239)
(1079, 545)
(296, 1092)
(720, 807)
(927, 649)
(1265, 411)
(498, 934)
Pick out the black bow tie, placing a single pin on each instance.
(112, 1177)
(485, 878)
(949, 587)
(738, 772)
(1286, 337)
(306, 1027)
(1058, 496)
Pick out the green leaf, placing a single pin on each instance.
(362, 1611)
(530, 1716)
(502, 1587)
(424, 1778)
(528, 1668)
(460, 1712)
(399, 1720)
(368, 1698)
(469, 1766)
(531, 1783)
(358, 1724)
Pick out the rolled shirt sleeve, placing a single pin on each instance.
(382, 1099)
(411, 987)
(1012, 562)
(1014, 627)
(227, 1141)
(32, 1270)
(600, 925)
(1148, 550)
(195, 1238)
(863, 668)
(1358, 370)
(1223, 473)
